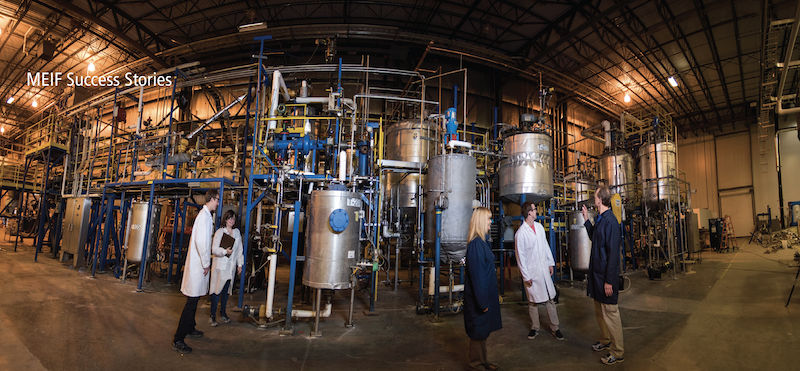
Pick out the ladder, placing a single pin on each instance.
(729, 235)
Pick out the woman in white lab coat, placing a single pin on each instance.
(222, 267)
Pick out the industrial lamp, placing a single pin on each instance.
(627, 98)
(673, 82)
(252, 26)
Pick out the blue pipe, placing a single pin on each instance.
(502, 225)
(166, 148)
(172, 246)
(43, 209)
(97, 229)
(180, 244)
(123, 223)
(246, 237)
(292, 267)
(106, 232)
(143, 262)
(437, 263)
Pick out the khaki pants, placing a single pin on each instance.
(552, 316)
(610, 323)
(477, 354)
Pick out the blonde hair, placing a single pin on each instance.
(477, 225)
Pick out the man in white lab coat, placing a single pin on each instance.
(535, 262)
(196, 271)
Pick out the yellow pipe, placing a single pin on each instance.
(380, 139)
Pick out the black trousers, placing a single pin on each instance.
(186, 324)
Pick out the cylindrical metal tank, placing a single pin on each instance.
(580, 246)
(617, 170)
(332, 245)
(584, 190)
(135, 238)
(411, 141)
(528, 167)
(450, 184)
(657, 162)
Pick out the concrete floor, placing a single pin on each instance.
(729, 315)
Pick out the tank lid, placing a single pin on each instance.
(339, 220)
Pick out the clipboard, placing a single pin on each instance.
(227, 241)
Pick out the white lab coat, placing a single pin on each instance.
(534, 260)
(222, 267)
(195, 283)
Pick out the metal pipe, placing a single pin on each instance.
(352, 301)
(300, 313)
(278, 84)
(303, 89)
(436, 264)
(215, 116)
(306, 100)
(607, 131)
(141, 103)
(273, 264)
(316, 318)
(778, 167)
(442, 288)
(789, 50)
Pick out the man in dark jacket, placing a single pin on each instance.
(603, 277)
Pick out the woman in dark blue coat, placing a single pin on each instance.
(481, 299)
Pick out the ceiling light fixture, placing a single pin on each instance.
(252, 26)
(2, 129)
(91, 67)
(10, 100)
(34, 104)
(627, 98)
(673, 82)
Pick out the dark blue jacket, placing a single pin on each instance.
(604, 262)
(480, 291)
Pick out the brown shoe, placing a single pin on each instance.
(491, 366)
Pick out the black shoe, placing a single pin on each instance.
(611, 360)
(532, 334)
(558, 335)
(181, 347)
(599, 347)
(195, 334)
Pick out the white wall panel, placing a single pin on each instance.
(790, 168)
(739, 205)
(696, 159)
(734, 161)
(765, 176)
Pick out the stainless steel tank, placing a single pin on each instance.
(450, 183)
(657, 162)
(584, 190)
(332, 246)
(528, 168)
(411, 141)
(135, 239)
(617, 170)
(580, 246)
